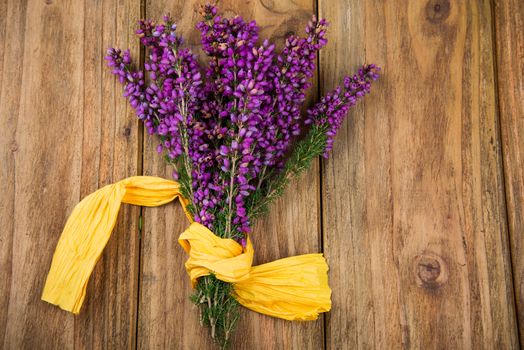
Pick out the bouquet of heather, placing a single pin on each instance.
(232, 130)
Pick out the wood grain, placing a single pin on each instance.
(37, 102)
(111, 151)
(413, 201)
(167, 319)
(67, 132)
(509, 29)
(419, 209)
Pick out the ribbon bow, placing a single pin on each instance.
(294, 288)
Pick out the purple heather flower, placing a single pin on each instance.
(231, 124)
(333, 108)
(291, 78)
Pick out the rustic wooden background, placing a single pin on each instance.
(419, 211)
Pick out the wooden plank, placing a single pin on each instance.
(509, 29)
(111, 151)
(167, 319)
(413, 204)
(67, 132)
(37, 102)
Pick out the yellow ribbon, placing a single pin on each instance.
(294, 288)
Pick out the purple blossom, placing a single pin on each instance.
(229, 126)
(333, 108)
(291, 78)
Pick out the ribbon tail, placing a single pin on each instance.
(294, 288)
(87, 232)
(84, 237)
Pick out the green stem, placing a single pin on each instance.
(218, 308)
(230, 197)
(312, 146)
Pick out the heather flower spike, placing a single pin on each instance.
(230, 129)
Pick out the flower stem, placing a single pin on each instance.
(230, 198)
(218, 308)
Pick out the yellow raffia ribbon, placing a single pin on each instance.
(294, 288)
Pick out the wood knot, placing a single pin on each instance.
(430, 271)
(14, 146)
(268, 4)
(127, 132)
(48, 2)
(437, 10)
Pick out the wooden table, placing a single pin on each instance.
(419, 211)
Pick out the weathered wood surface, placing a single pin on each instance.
(172, 320)
(411, 210)
(509, 29)
(413, 202)
(66, 132)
